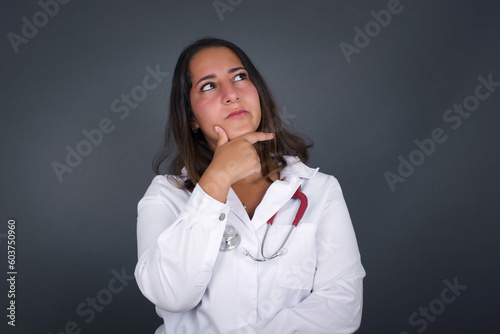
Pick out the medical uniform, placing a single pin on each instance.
(316, 287)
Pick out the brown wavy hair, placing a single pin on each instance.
(191, 150)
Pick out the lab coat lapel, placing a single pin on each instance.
(281, 191)
(278, 194)
(236, 207)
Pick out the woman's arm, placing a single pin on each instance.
(335, 304)
(177, 248)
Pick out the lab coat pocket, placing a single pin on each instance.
(297, 267)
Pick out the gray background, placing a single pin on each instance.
(440, 224)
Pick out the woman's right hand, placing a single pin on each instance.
(233, 160)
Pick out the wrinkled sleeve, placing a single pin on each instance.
(335, 304)
(178, 238)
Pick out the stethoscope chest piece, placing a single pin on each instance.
(230, 239)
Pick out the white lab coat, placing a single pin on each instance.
(315, 288)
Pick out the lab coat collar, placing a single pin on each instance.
(295, 168)
(277, 195)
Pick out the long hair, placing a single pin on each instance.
(191, 150)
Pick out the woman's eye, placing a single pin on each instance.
(207, 86)
(239, 77)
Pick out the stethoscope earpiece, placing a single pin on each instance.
(283, 252)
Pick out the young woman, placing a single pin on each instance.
(209, 259)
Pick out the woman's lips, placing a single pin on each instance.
(237, 114)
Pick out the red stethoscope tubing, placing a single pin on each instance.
(302, 208)
(298, 216)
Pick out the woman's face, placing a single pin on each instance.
(222, 94)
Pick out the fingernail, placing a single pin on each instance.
(216, 129)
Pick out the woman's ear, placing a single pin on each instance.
(194, 125)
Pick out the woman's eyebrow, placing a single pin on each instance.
(211, 76)
(236, 69)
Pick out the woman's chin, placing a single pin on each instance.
(233, 134)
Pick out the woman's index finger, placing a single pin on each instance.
(254, 137)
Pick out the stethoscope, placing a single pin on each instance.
(231, 239)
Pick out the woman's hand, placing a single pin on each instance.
(233, 160)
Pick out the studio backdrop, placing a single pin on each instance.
(401, 99)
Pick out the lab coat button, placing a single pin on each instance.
(222, 216)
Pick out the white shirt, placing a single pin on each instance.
(316, 287)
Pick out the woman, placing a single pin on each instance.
(235, 168)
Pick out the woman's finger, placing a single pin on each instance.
(254, 137)
(221, 136)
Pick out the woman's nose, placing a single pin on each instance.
(229, 93)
